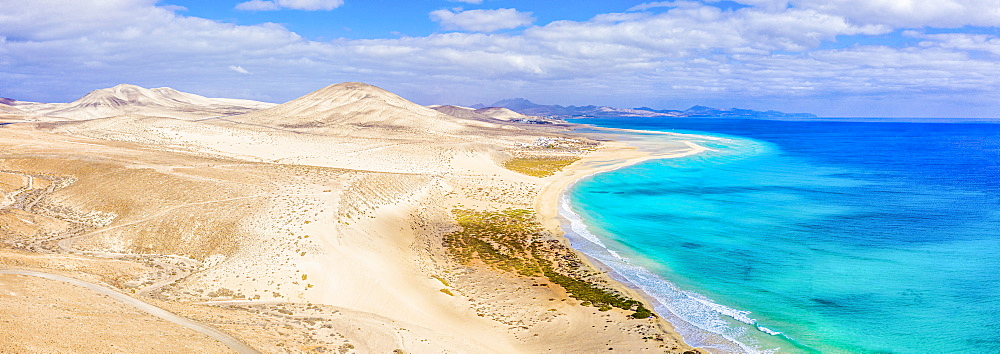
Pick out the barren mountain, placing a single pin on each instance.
(358, 109)
(131, 99)
(492, 114)
(500, 113)
(461, 112)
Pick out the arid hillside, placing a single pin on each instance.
(362, 110)
(500, 113)
(461, 112)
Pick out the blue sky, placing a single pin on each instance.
(917, 58)
(367, 19)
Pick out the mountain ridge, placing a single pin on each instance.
(132, 99)
(492, 114)
(527, 107)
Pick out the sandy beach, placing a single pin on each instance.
(614, 155)
(470, 176)
(295, 229)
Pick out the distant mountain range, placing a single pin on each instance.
(526, 107)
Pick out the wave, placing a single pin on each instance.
(700, 321)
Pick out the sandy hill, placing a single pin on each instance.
(461, 112)
(10, 114)
(358, 109)
(5, 109)
(348, 125)
(500, 113)
(132, 99)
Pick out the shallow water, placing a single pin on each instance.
(811, 236)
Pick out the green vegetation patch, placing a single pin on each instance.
(589, 292)
(500, 239)
(539, 166)
(511, 240)
(443, 282)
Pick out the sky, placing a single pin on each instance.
(834, 58)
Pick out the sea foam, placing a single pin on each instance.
(699, 320)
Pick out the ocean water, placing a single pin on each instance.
(859, 237)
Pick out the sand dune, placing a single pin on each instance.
(461, 112)
(500, 113)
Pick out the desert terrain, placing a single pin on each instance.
(347, 220)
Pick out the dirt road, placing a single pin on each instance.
(216, 334)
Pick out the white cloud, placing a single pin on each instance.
(963, 41)
(238, 69)
(692, 31)
(56, 51)
(55, 19)
(271, 5)
(909, 13)
(765, 5)
(662, 4)
(896, 13)
(258, 5)
(174, 8)
(482, 20)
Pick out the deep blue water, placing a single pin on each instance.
(842, 236)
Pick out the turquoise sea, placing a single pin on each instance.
(817, 236)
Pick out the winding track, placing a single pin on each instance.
(66, 246)
(222, 337)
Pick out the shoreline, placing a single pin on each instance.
(400, 290)
(621, 270)
(659, 294)
(612, 155)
